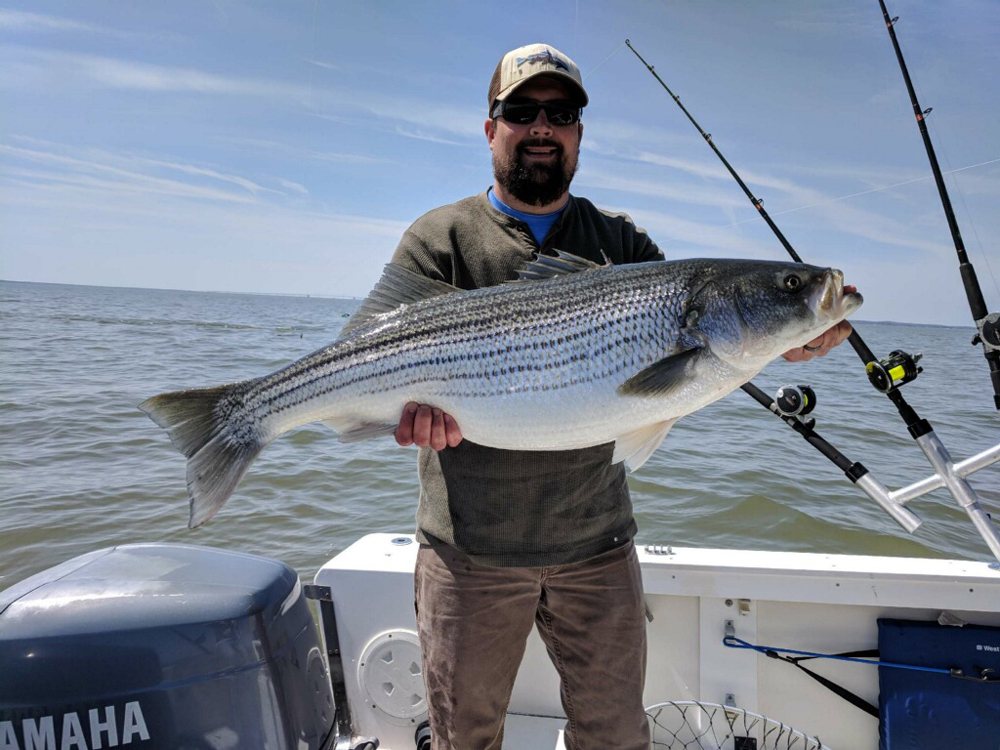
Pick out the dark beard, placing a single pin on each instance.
(534, 184)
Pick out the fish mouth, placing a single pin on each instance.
(832, 300)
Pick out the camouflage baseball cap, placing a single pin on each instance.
(524, 63)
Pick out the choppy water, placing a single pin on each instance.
(82, 468)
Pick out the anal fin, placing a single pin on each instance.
(635, 448)
(350, 431)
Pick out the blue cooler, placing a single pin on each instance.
(933, 711)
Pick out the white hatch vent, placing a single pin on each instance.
(392, 676)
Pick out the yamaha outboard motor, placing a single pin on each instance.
(166, 646)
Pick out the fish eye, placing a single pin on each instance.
(793, 282)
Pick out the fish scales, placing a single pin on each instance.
(479, 350)
(568, 360)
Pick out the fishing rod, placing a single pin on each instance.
(987, 324)
(886, 376)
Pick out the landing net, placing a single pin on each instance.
(693, 725)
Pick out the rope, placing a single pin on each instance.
(773, 652)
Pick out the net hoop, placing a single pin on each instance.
(696, 725)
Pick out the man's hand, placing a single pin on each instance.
(424, 426)
(821, 345)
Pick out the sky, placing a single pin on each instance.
(283, 147)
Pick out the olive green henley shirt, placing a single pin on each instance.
(519, 508)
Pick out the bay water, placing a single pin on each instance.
(81, 468)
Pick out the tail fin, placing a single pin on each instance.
(219, 451)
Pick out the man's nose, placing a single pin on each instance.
(541, 124)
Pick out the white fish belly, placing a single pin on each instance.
(559, 418)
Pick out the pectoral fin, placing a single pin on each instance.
(661, 378)
(634, 448)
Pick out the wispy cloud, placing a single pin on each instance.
(423, 136)
(674, 234)
(429, 116)
(61, 202)
(17, 20)
(128, 172)
(293, 186)
(669, 189)
(695, 182)
(410, 117)
(322, 64)
(306, 154)
(108, 72)
(69, 170)
(23, 22)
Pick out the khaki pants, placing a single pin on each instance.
(474, 621)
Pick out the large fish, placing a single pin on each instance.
(574, 354)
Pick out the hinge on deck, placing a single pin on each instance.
(323, 596)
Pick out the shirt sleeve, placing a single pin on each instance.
(416, 255)
(643, 249)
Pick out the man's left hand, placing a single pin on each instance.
(821, 345)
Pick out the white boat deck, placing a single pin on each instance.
(811, 602)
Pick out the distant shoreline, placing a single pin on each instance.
(185, 291)
(333, 296)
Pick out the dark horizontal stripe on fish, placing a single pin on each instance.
(273, 406)
(475, 324)
(422, 333)
(460, 357)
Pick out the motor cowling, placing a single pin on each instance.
(162, 646)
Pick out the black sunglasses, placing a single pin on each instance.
(525, 112)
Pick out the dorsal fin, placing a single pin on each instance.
(398, 286)
(561, 264)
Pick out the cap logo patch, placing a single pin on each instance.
(545, 56)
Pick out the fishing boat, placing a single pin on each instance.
(177, 646)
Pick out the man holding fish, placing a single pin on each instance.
(538, 396)
(515, 539)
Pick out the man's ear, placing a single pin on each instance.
(490, 128)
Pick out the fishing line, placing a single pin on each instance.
(956, 186)
(591, 71)
(312, 57)
(867, 192)
(576, 23)
(961, 194)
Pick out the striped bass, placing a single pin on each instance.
(573, 354)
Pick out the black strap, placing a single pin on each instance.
(843, 692)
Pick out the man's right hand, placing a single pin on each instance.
(424, 426)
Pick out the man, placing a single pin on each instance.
(516, 539)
